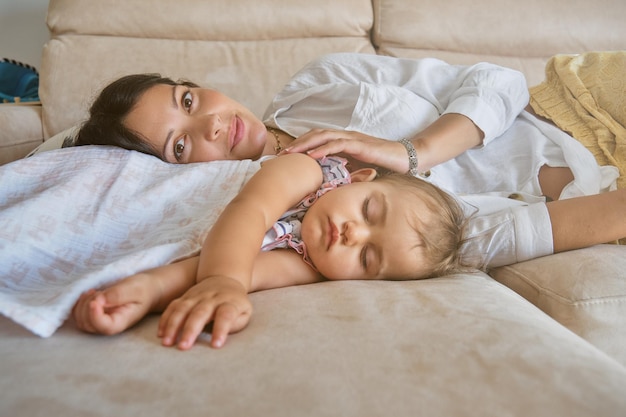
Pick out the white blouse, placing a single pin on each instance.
(395, 98)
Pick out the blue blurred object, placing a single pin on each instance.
(19, 82)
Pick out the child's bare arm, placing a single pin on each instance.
(281, 268)
(227, 258)
(589, 220)
(116, 308)
(230, 313)
(233, 243)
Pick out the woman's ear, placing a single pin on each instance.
(363, 175)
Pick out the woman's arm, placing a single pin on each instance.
(446, 138)
(476, 103)
(506, 231)
(589, 220)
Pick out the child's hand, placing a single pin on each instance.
(219, 299)
(114, 309)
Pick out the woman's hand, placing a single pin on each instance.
(370, 150)
(220, 299)
(446, 138)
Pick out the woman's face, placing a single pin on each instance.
(196, 125)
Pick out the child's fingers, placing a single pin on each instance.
(199, 317)
(89, 312)
(162, 324)
(229, 319)
(172, 321)
(81, 311)
(99, 320)
(225, 318)
(104, 318)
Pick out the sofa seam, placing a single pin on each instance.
(575, 303)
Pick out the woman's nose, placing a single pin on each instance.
(210, 127)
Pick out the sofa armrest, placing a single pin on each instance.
(21, 130)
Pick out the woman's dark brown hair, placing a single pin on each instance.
(105, 125)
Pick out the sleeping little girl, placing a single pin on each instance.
(313, 220)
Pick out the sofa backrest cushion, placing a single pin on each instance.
(245, 49)
(517, 34)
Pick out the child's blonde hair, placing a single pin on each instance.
(442, 236)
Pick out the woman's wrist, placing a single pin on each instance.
(412, 157)
(444, 139)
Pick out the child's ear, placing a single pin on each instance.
(363, 175)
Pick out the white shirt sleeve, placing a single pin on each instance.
(506, 233)
(490, 95)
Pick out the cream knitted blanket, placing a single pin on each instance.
(585, 95)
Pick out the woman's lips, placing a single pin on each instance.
(237, 129)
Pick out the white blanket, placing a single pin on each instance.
(79, 218)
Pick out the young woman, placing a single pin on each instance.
(462, 127)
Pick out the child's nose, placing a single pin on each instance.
(355, 233)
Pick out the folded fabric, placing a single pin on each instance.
(585, 95)
(79, 218)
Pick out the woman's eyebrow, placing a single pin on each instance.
(174, 99)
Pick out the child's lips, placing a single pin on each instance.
(332, 234)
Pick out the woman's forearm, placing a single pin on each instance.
(589, 220)
(446, 138)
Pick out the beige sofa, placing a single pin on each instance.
(546, 337)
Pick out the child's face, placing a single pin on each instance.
(367, 230)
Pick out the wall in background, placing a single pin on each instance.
(23, 30)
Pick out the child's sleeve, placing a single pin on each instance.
(514, 233)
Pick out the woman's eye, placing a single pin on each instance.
(179, 148)
(187, 100)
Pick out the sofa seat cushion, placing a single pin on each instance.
(585, 290)
(452, 346)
